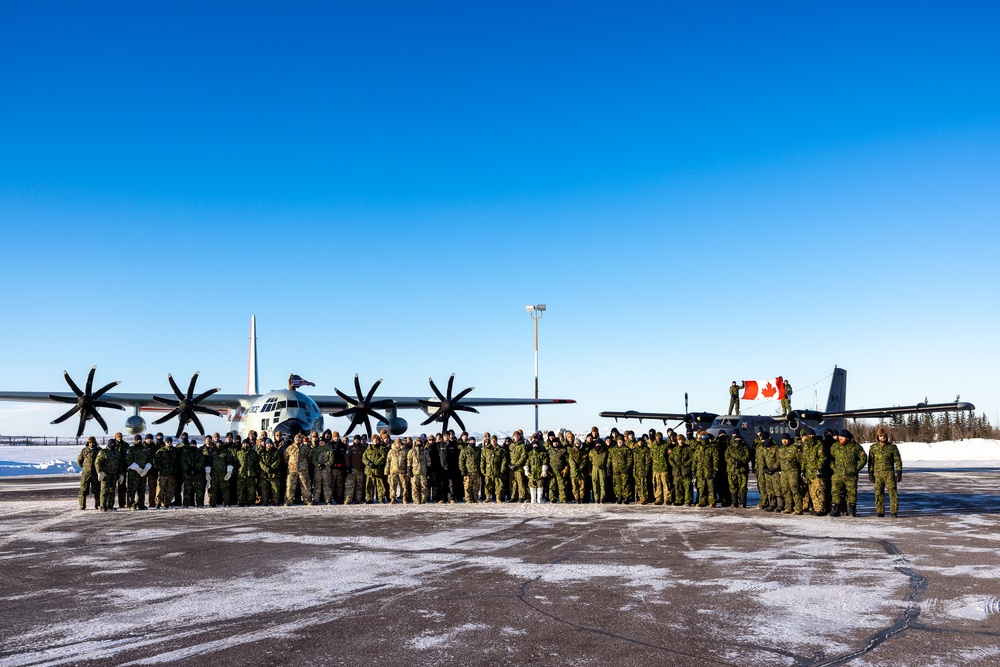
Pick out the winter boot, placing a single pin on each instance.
(836, 510)
(852, 509)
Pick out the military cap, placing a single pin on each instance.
(845, 434)
(786, 436)
(137, 438)
(805, 430)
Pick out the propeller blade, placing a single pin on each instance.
(72, 385)
(63, 399)
(206, 411)
(90, 379)
(177, 390)
(371, 392)
(451, 383)
(197, 423)
(166, 401)
(458, 420)
(461, 395)
(436, 390)
(347, 399)
(357, 385)
(107, 404)
(100, 420)
(83, 422)
(382, 418)
(465, 408)
(368, 425)
(432, 418)
(194, 379)
(100, 392)
(167, 417)
(342, 413)
(60, 420)
(205, 395)
(444, 426)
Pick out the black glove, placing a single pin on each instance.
(871, 476)
(899, 477)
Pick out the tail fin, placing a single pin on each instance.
(252, 387)
(837, 401)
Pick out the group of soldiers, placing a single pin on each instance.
(803, 474)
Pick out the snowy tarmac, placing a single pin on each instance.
(503, 584)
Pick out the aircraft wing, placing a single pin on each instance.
(217, 401)
(879, 413)
(326, 403)
(701, 419)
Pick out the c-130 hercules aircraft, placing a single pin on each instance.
(748, 425)
(286, 411)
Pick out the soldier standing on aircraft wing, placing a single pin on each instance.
(682, 463)
(885, 470)
(107, 463)
(848, 459)
(813, 464)
(354, 485)
(88, 474)
(790, 458)
(734, 396)
(737, 458)
(165, 462)
(138, 463)
(518, 459)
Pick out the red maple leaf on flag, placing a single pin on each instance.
(769, 391)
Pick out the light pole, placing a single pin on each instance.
(535, 311)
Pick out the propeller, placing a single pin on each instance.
(361, 409)
(446, 406)
(186, 407)
(86, 402)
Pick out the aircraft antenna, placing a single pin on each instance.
(252, 387)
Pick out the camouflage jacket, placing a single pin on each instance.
(790, 458)
(621, 459)
(658, 452)
(468, 461)
(86, 460)
(139, 455)
(579, 462)
(847, 459)
(192, 460)
(558, 461)
(813, 457)
(884, 459)
(108, 461)
(737, 456)
(270, 463)
(395, 462)
(247, 463)
(682, 459)
(706, 458)
(322, 455)
(165, 460)
(494, 461)
(538, 459)
(598, 459)
(518, 454)
(418, 461)
(219, 459)
(298, 455)
(642, 460)
(772, 462)
(374, 459)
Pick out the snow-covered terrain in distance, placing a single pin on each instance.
(61, 459)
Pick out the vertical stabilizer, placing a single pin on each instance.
(252, 387)
(837, 401)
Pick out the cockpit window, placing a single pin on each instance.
(281, 405)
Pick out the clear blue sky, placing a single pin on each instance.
(700, 192)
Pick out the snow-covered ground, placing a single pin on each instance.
(61, 459)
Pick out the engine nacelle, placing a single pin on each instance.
(797, 417)
(135, 425)
(396, 426)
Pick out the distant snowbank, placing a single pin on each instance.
(952, 451)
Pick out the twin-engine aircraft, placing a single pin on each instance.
(286, 411)
(748, 425)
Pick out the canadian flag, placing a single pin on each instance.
(764, 389)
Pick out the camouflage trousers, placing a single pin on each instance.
(885, 481)
(844, 488)
(89, 484)
(108, 487)
(297, 478)
(557, 487)
(398, 486)
(337, 484)
(354, 487)
(493, 486)
(151, 482)
(420, 489)
(579, 487)
(135, 495)
(683, 493)
(471, 483)
(620, 481)
(599, 484)
(642, 486)
(790, 490)
(518, 484)
(706, 490)
(165, 490)
(123, 491)
(763, 488)
(786, 406)
(817, 494)
(218, 492)
(246, 490)
(661, 488)
(322, 485)
(270, 491)
(375, 488)
(193, 491)
(738, 485)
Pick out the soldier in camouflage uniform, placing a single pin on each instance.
(297, 458)
(153, 476)
(89, 483)
(354, 484)
(885, 470)
(813, 465)
(247, 469)
(737, 461)
(374, 459)
(599, 462)
(108, 463)
(338, 469)
(758, 468)
(536, 470)
(138, 464)
(518, 459)
(642, 464)
(220, 470)
(418, 461)
(494, 464)
(682, 465)
(396, 470)
(270, 473)
(558, 469)
(166, 463)
(661, 471)
(706, 463)
(722, 493)
(848, 459)
(121, 488)
(322, 462)
(790, 459)
(579, 467)
(772, 475)
(470, 464)
(621, 470)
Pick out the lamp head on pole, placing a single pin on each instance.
(535, 310)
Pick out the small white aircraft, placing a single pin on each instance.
(286, 411)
